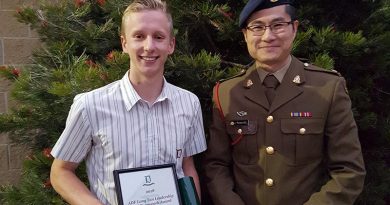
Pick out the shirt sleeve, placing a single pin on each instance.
(75, 141)
(196, 142)
(218, 163)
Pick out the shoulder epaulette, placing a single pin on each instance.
(305, 60)
(318, 69)
(240, 73)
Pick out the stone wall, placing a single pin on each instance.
(17, 41)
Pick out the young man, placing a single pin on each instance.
(283, 131)
(140, 120)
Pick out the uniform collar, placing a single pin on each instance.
(290, 87)
(279, 74)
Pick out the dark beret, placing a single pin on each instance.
(256, 5)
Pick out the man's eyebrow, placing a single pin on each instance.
(278, 19)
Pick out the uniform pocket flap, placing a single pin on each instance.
(302, 126)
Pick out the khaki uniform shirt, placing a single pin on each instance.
(302, 149)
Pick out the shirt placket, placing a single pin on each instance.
(151, 136)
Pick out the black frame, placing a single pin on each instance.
(117, 182)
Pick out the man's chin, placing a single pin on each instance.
(151, 72)
(268, 60)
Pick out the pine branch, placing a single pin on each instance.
(382, 91)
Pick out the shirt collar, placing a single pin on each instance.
(165, 94)
(131, 97)
(279, 74)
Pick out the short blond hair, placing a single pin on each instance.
(142, 5)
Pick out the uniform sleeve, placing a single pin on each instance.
(218, 164)
(197, 141)
(75, 141)
(344, 157)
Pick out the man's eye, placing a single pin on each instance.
(277, 25)
(258, 28)
(159, 37)
(138, 36)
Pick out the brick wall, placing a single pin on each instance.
(17, 41)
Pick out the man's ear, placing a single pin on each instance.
(124, 44)
(295, 26)
(172, 44)
(244, 32)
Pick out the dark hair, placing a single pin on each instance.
(290, 10)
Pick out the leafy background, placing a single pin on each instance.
(82, 52)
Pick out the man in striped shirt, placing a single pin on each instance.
(140, 120)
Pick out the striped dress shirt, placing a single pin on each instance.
(112, 128)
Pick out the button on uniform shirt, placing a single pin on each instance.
(113, 128)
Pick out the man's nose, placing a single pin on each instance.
(268, 34)
(149, 44)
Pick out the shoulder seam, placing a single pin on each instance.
(242, 72)
(318, 69)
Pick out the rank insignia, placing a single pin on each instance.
(242, 113)
(297, 79)
(249, 83)
(301, 114)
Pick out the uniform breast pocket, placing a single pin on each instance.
(243, 133)
(303, 140)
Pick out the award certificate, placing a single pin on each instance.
(154, 185)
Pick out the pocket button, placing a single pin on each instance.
(239, 131)
(302, 131)
(270, 150)
(269, 182)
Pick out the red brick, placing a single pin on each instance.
(4, 166)
(17, 154)
(1, 52)
(10, 27)
(18, 51)
(3, 102)
(5, 85)
(14, 4)
(11, 177)
(33, 34)
(4, 139)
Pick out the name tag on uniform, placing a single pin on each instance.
(239, 122)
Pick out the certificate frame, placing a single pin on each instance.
(147, 185)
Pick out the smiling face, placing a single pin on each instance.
(148, 41)
(270, 50)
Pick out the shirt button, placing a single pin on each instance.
(269, 182)
(270, 119)
(270, 150)
(302, 131)
(239, 131)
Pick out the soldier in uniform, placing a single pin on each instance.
(283, 131)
